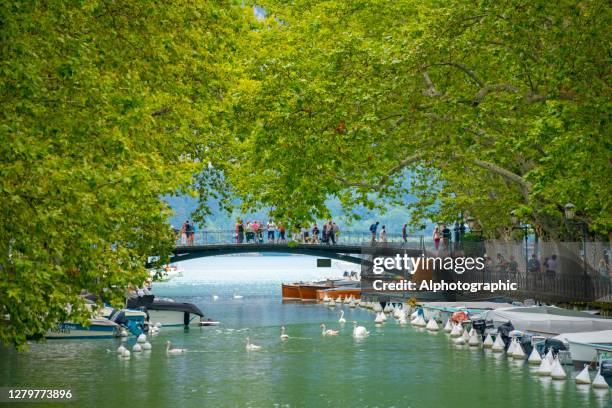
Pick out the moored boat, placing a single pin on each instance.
(291, 291)
(166, 311)
(588, 347)
(99, 328)
(308, 292)
(548, 321)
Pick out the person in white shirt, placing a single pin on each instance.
(271, 228)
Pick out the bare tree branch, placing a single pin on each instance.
(485, 90)
(461, 67)
(431, 89)
(384, 179)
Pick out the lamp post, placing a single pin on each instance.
(570, 214)
(525, 228)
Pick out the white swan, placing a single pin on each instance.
(359, 331)
(121, 349)
(141, 338)
(147, 346)
(237, 296)
(251, 347)
(137, 348)
(174, 352)
(283, 336)
(342, 319)
(126, 353)
(328, 332)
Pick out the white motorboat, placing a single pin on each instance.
(548, 320)
(586, 347)
(99, 328)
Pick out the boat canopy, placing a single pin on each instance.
(151, 303)
(548, 320)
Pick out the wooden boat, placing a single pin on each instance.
(291, 291)
(308, 292)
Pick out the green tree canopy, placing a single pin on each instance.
(106, 106)
(491, 106)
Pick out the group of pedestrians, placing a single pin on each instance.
(253, 232)
(442, 233)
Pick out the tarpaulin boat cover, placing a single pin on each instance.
(595, 337)
(548, 320)
(151, 303)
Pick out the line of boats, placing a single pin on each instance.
(143, 310)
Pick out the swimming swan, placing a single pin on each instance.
(328, 332)
(283, 336)
(342, 319)
(251, 347)
(174, 352)
(359, 331)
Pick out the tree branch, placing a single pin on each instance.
(508, 175)
(384, 179)
(461, 67)
(485, 90)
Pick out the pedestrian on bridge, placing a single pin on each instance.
(281, 232)
(336, 229)
(184, 233)
(271, 228)
(315, 234)
(190, 231)
(239, 231)
(373, 229)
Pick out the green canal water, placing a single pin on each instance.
(394, 367)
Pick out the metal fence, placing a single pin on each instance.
(229, 237)
(539, 286)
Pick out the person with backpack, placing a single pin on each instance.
(405, 233)
(190, 230)
(373, 229)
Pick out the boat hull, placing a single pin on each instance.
(291, 292)
(78, 331)
(588, 353)
(309, 292)
(170, 318)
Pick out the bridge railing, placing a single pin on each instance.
(226, 237)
